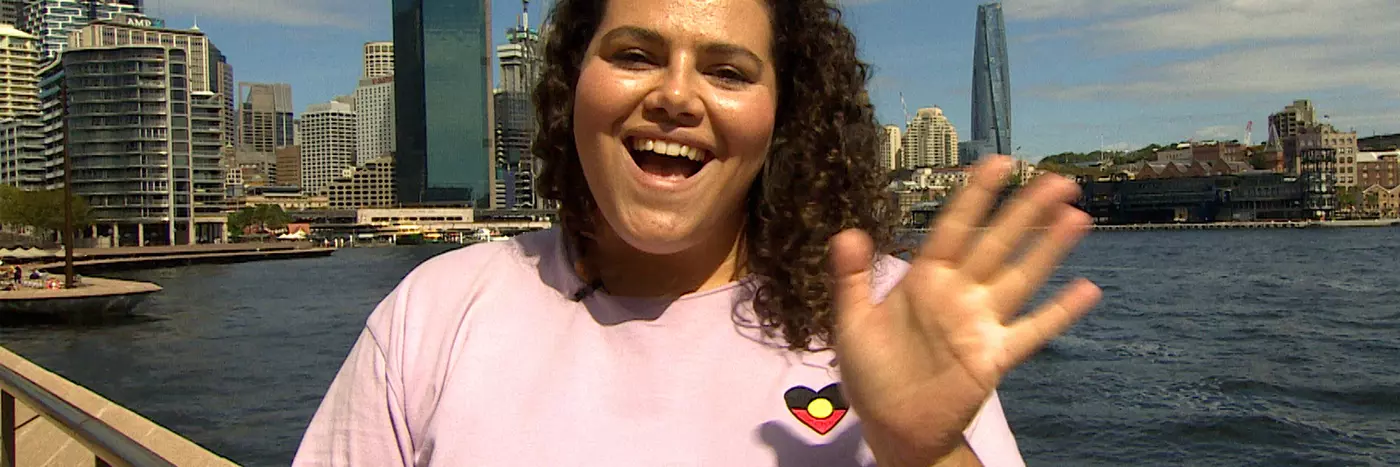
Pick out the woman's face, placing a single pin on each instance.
(673, 117)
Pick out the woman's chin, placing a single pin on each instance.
(660, 241)
(663, 235)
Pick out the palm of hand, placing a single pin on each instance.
(919, 365)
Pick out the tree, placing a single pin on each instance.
(265, 217)
(271, 217)
(1347, 198)
(42, 210)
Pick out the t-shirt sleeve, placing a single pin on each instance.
(361, 419)
(989, 436)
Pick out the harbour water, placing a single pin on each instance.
(1268, 347)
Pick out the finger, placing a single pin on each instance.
(1017, 284)
(965, 212)
(1009, 229)
(851, 256)
(1028, 335)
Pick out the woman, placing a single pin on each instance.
(689, 311)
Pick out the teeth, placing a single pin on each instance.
(668, 148)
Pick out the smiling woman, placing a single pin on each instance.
(718, 292)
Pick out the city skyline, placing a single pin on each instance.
(1086, 71)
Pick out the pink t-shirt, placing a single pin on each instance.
(483, 357)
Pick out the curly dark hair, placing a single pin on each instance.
(822, 175)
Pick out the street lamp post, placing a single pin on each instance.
(68, 278)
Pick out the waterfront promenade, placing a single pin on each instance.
(1232, 225)
(40, 440)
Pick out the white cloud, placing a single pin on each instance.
(1270, 70)
(1120, 146)
(1227, 48)
(315, 13)
(1220, 132)
(1032, 10)
(1201, 24)
(1374, 119)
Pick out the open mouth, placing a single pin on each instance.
(667, 159)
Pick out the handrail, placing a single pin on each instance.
(110, 446)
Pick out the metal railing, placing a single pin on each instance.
(109, 446)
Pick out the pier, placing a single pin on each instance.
(98, 300)
(1204, 226)
(98, 260)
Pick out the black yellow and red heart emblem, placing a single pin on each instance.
(819, 410)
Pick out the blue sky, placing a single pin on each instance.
(1124, 72)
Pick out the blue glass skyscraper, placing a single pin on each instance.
(991, 85)
(442, 97)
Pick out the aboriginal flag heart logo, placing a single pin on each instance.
(819, 410)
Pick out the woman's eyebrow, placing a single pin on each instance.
(649, 36)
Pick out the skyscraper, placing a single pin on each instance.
(991, 85)
(265, 116)
(53, 20)
(442, 92)
(160, 167)
(374, 104)
(891, 146)
(19, 78)
(379, 60)
(374, 113)
(328, 147)
(10, 11)
(931, 141)
(264, 125)
(515, 167)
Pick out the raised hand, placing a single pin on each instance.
(918, 366)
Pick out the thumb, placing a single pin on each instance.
(851, 256)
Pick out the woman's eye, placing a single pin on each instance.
(730, 74)
(632, 57)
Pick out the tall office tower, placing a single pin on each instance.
(224, 86)
(21, 135)
(514, 168)
(264, 125)
(329, 146)
(10, 11)
(53, 20)
(442, 92)
(51, 81)
(379, 60)
(144, 144)
(265, 116)
(890, 147)
(931, 141)
(991, 84)
(19, 75)
(374, 113)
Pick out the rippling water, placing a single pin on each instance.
(1211, 348)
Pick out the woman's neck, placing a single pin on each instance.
(627, 272)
